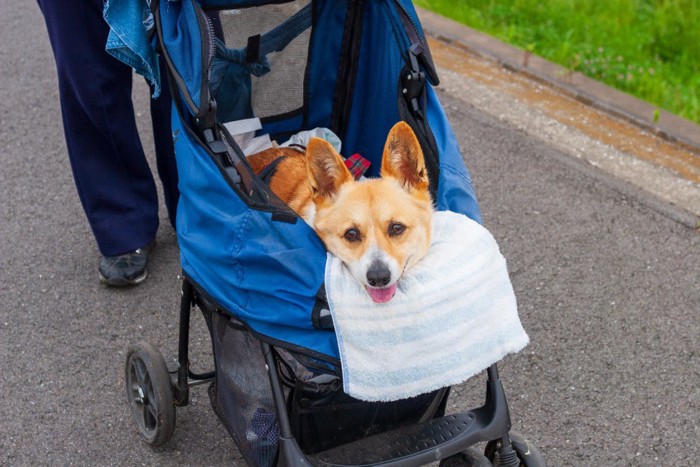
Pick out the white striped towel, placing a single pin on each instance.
(453, 315)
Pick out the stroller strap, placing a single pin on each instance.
(278, 38)
(269, 170)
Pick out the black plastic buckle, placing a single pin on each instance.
(413, 82)
(212, 138)
(207, 125)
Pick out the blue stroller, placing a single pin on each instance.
(256, 270)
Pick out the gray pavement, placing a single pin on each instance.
(607, 285)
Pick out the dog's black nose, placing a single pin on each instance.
(378, 275)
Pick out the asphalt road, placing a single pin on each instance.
(607, 286)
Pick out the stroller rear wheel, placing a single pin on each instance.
(150, 394)
(528, 454)
(470, 457)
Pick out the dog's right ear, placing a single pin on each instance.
(327, 171)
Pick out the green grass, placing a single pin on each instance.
(648, 48)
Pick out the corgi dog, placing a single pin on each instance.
(378, 227)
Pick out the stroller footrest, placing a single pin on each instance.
(418, 443)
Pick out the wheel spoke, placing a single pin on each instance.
(149, 417)
(134, 383)
(140, 369)
(150, 391)
(152, 411)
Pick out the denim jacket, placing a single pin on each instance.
(130, 22)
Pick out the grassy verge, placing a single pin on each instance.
(648, 48)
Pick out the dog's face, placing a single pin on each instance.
(381, 227)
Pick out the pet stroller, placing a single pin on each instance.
(256, 270)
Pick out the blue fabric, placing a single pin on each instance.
(182, 40)
(283, 127)
(324, 52)
(265, 272)
(230, 82)
(374, 107)
(130, 22)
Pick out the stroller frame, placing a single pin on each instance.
(447, 438)
(155, 388)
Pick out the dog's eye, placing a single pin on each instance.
(396, 229)
(352, 235)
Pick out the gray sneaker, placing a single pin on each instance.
(126, 269)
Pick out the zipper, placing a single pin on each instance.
(347, 68)
(166, 55)
(207, 55)
(206, 28)
(413, 31)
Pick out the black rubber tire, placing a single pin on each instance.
(150, 394)
(528, 454)
(470, 457)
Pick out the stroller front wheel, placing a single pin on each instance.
(150, 394)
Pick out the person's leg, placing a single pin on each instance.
(112, 176)
(163, 140)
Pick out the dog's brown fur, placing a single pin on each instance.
(378, 227)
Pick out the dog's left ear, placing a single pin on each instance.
(403, 158)
(327, 171)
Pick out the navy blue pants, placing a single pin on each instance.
(113, 179)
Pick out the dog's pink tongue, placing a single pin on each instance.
(382, 295)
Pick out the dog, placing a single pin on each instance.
(378, 227)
